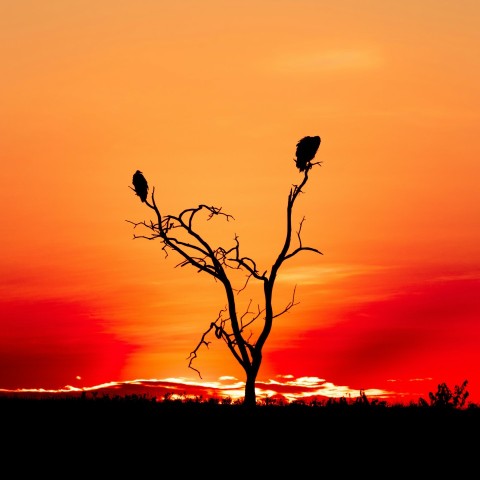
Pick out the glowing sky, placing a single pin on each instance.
(209, 98)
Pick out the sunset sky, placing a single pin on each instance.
(208, 99)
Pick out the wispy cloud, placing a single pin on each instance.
(327, 60)
(287, 387)
(325, 274)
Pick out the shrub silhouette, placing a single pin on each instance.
(445, 398)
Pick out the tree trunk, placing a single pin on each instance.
(250, 399)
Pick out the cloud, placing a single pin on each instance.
(428, 330)
(325, 274)
(327, 61)
(51, 342)
(284, 387)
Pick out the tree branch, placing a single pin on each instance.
(289, 305)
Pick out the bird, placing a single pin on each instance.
(306, 150)
(140, 185)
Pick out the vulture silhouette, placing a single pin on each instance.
(306, 150)
(140, 185)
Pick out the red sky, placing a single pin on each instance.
(209, 101)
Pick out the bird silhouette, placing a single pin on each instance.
(306, 150)
(140, 185)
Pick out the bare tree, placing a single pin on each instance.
(180, 234)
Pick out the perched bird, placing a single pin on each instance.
(306, 149)
(140, 185)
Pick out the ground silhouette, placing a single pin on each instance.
(145, 436)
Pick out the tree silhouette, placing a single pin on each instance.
(178, 233)
(444, 397)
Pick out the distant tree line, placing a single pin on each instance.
(444, 398)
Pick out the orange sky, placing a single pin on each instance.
(209, 99)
